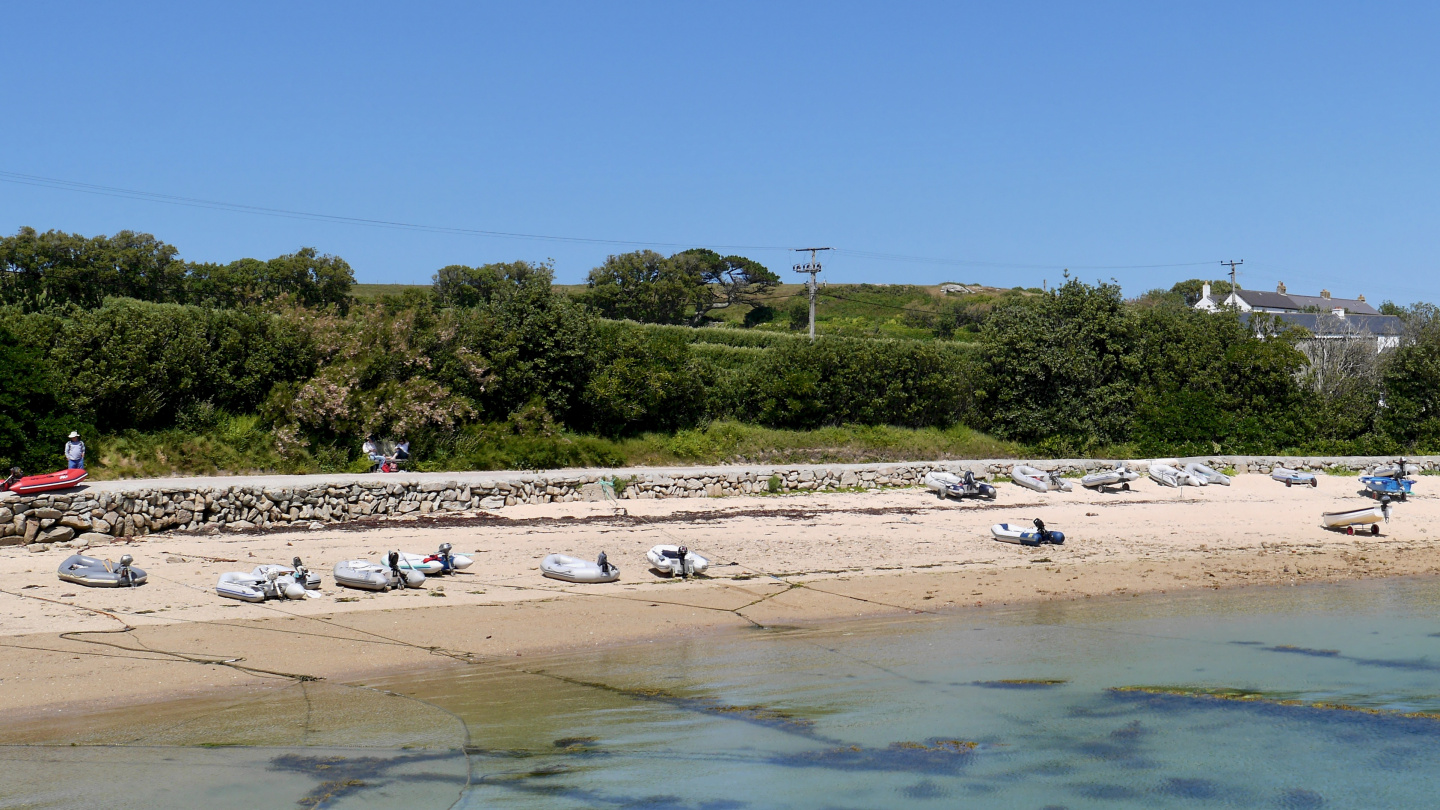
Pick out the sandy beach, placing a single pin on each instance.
(776, 560)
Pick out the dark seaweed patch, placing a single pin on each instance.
(924, 789)
(1105, 792)
(343, 776)
(1190, 788)
(934, 756)
(1288, 648)
(765, 716)
(1159, 696)
(1021, 683)
(1300, 799)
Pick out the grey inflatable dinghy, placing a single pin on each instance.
(368, 576)
(574, 569)
(93, 572)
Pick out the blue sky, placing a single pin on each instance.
(1008, 139)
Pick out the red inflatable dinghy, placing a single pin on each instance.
(44, 483)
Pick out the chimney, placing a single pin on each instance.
(1280, 288)
(1324, 293)
(1360, 298)
(1204, 291)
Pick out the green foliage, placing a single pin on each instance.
(461, 286)
(1190, 290)
(647, 287)
(642, 381)
(773, 485)
(838, 381)
(1059, 369)
(32, 426)
(306, 276)
(1411, 381)
(55, 269)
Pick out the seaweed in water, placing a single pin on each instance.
(934, 756)
(1247, 696)
(1021, 683)
(342, 776)
(765, 716)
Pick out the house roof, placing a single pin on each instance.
(1351, 305)
(1266, 300)
(1323, 323)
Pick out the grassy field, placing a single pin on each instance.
(847, 310)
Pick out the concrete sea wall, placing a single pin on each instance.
(106, 511)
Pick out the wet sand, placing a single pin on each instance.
(776, 560)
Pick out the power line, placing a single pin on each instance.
(217, 205)
(57, 184)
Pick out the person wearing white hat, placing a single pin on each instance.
(75, 452)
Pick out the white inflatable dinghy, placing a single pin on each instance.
(275, 581)
(949, 485)
(1293, 477)
(1121, 476)
(574, 569)
(1206, 474)
(1392, 470)
(441, 562)
(93, 572)
(1172, 477)
(676, 561)
(1038, 480)
(1018, 533)
(368, 576)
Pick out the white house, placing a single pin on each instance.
(1325, 317)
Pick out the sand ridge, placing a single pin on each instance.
(777, 560)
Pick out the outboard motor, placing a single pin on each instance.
(684, 569)
(445, 558)
(124, 573)
(604, 563)
(1385, 503)
(1042, 531)
(13, 477)
(394, 561)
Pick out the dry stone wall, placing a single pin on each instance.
(109, 511)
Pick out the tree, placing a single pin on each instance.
(1191, 289)
(56, 268)
(1060, 368)
(728, 280)
(1411, 380)
(647, 287)
(460, 286)
(31, 426)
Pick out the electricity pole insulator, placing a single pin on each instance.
(1233, 264)
(813, 267)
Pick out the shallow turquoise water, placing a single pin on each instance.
(912, 712)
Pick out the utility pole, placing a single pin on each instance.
(1233, 265)
(812, 268)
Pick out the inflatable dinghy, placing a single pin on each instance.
(1350, 518)
(1015, 533)
(441, 562)
(1293, 477)
(574, 569)
(1121, 476)
(1038, 480)
(368, 576)
(269, 582)
(1395, 468)
(677, 561)
(93, 572)
(1172, 477)
(1206, 474)
(949, 485)
(42, 483)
